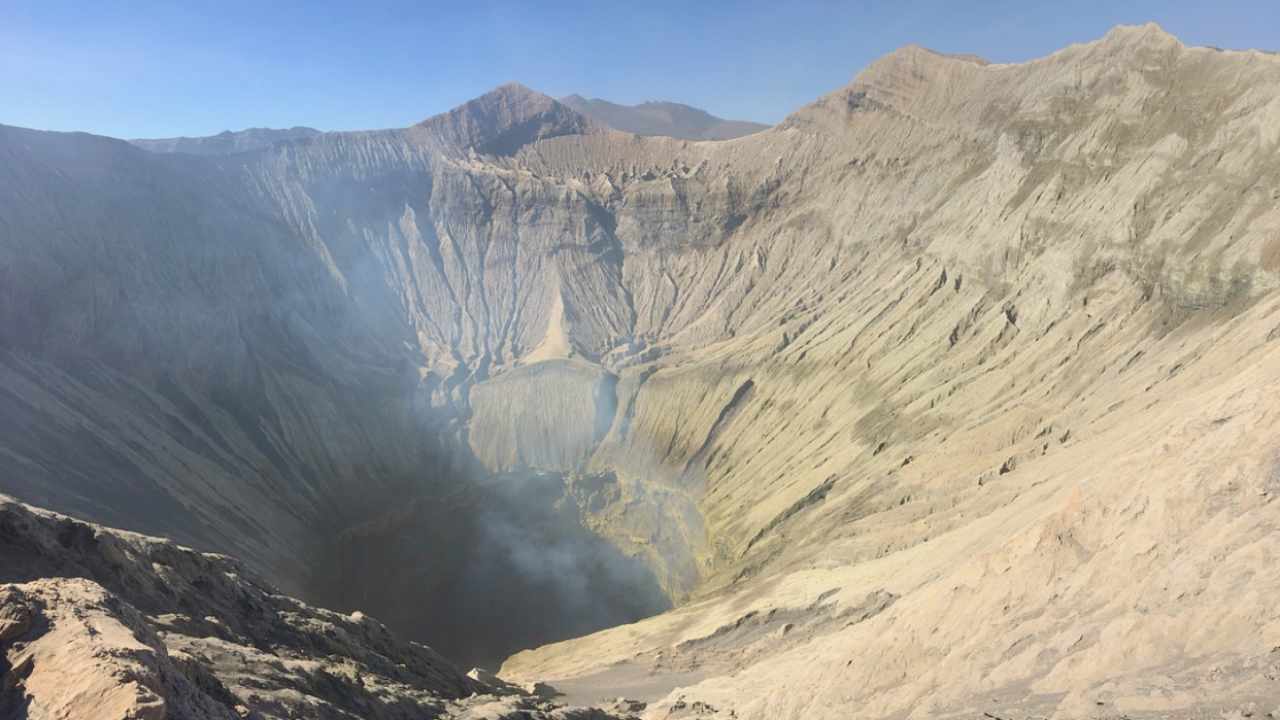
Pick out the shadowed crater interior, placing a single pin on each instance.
(501, 564)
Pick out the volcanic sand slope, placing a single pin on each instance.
(952, 393)
(1036, 416)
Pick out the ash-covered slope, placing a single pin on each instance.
(947, 395)
(1008, 434)
(226, 142)
(662, 118)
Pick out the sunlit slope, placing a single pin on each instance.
(1026, 331)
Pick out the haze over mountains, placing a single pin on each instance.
(650, 118)
(952, 394)
(662, 118)
(226, 142)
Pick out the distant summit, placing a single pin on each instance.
(499, 122)
(227, 142)
(505, 119)
(662, 118)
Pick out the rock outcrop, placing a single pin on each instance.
(102, 624)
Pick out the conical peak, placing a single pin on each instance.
(1139, 34)
(505, 119)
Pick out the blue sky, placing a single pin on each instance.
(155, 69)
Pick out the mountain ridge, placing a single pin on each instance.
(662, 118)
(226, 142)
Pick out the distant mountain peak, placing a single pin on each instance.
(662, 117)
(1150, 31)
(505, 119)
(515, 94)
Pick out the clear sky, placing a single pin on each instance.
(156, 69)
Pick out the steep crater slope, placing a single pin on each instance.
(909, 346)
(269, 354)
(1025, 330)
